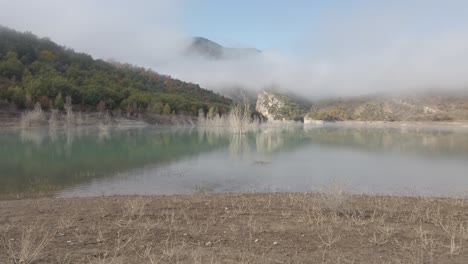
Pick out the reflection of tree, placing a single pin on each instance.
(33, 136)
(103, 135)
(211, 135)
(239, 144)
(69, 135)
(76, 156)
(269, 141)
(53, 134)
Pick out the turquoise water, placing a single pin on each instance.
(152, 160)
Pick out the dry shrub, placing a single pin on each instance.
(69, 116)
(53, 119)
(335, 197)
(134, 208)
(34, 117)
(30, 246)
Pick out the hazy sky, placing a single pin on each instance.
(315, 48)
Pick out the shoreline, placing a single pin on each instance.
(332, 227)
(429, 124)
(12, 120)
(191, 121)
(461, 123)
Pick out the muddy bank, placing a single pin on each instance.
(235, 228)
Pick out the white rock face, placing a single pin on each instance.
(268, 104)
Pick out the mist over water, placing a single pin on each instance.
(154, 161)
(369, 49)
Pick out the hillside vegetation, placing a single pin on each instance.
(36, 69)
(430, 106)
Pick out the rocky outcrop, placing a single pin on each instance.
(278, 107)
(268, 105)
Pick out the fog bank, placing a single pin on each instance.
(373, 48)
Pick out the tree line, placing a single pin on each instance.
(36, 69)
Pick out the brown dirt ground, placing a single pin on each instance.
(235, 228)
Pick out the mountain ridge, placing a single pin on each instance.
(209, 49)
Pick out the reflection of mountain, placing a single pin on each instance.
(77, 158)
(422, 141)
(34, 161)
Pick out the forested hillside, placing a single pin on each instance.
(36, 69)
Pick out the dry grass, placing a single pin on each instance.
(327, 227)
(335, 197)
(30, 246)
(134, 208)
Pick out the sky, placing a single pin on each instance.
(312, 48)
(263, 24)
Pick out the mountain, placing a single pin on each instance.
(36, 69)
(428, 106)
(211, 50)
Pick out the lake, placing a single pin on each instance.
(169, 160)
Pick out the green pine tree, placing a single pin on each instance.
(59, 101)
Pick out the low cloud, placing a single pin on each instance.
(374, 48)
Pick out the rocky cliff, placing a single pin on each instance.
(278, 107)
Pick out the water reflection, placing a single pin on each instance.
(269, 141)
(74, 156)
(83, 161)
(422, 141)
(239, 145)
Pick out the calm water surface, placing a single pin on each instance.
(85, 162)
